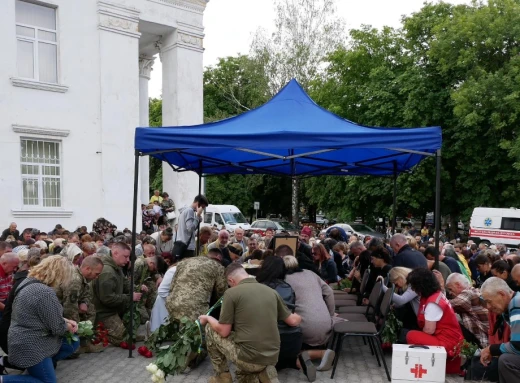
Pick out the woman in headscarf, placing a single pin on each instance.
(73, 253)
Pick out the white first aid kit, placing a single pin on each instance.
(414, 363)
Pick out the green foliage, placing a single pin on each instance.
(273, 193)
(155, 164)
(467, 349)
(457, 67)
(186, 338)
(449, 66)
(344, 284)
(390, 333)
(233, 86)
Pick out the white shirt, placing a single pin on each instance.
(433, 312)
(164, 287)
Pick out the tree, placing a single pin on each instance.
(155, 116)
(306, 31)
(234, 85)
(450, 66)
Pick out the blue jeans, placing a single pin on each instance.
(44, 371)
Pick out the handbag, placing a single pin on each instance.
(180, 248)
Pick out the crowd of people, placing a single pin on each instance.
(279, 307)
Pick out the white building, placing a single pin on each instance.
(73, 88)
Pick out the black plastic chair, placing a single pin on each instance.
(371, 309)
(366, 330)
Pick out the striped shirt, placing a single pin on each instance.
(513, 318)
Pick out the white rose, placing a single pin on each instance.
(160, 374)
(151, 368)
(155, 379)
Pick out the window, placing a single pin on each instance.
(208, 217)
(260, 225)
(41, 173)
(218, 219)
(37, 46)
(511, 224)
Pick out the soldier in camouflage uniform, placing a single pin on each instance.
(76, 297)
(145, 274)
(196, 281)
(112, 294)
(228, 351)
(247, 332)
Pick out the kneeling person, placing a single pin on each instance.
(112, 293)
(252, 310)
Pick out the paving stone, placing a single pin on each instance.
(356, 365)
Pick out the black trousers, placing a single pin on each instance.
(290, 347)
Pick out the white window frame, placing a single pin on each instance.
(35, 40)
(40, 175)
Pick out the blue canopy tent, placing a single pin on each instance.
(290, 136)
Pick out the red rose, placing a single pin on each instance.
(123, 345)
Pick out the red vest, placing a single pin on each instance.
(448, 329)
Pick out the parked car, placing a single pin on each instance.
(321, 219)
(261, 225)
(359, 229)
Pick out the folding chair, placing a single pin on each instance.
(368, 330)
(370, 310)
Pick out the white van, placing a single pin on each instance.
(494, 225)
(225, 216)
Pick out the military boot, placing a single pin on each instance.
(225, 377)
(269, 375)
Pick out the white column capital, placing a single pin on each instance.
(189, 39)
(145, 66)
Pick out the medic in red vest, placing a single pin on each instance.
(436, 318)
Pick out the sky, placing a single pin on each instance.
(230, 24)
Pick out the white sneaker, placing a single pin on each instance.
(327, 361)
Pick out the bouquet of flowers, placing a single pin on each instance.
(101, 335)
(85, 330)
(187, 337)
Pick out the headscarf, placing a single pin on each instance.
(70, 251)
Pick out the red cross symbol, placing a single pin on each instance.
(418, 371)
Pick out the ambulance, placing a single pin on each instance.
(495, 225)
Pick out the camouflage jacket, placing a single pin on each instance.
(141, 271)
(111, 291)
(196, 281)
(71, 296)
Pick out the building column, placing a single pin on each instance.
(182, 90)
(119, 109)
(145, 69)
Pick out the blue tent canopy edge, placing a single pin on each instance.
(289, 136)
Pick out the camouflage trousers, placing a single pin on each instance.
(76, 316)
(89, 315)
(116, 329)
(149, 300)
(223, 350)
